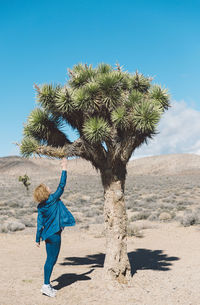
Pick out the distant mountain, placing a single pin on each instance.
(173, 164)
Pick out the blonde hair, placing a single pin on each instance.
(41, 193)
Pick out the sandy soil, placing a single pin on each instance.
(165, 267)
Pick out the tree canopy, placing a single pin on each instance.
(113, 112)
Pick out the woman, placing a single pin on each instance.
(53, 216)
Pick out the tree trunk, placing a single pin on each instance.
(116, 265)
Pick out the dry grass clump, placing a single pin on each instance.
(11, 226)
(165, 216)
(190, 218)
(136, 228)
(93, 212)
(14, 204)
(133, 230)
(152, 198)
(154, 216)
(140, 215)
(166, 206)
(3, 228)
(16, 226)
(85, 227)
(28, 222)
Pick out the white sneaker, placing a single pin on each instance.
(47, 289)
(55, 290)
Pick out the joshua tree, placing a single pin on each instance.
(24, 179)
(114, 112)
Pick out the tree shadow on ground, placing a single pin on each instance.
(141, 259)
(96, 260)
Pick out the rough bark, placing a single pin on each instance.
(116, 265)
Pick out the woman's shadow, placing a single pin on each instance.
(140, 259)
(69, 278)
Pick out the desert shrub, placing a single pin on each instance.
(16, 226)
(184, 202)
(151, 198)
(140, 215)
(2, 218)
(7, 212)
(92, 213)
(153, 216)
(21, 212)
(141, 203)
(133, 230)
(180, 207)
(79, 203)
(189, 187)
(4, 228)
(28, 222)
(172, 213)
(190, 219)
(165, 205)
(151, 205)
(29, 210)
(136, 209)
(15, 204)
(4, 208)
(165, 216)
(169, 200)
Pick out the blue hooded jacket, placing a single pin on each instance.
(53, 214)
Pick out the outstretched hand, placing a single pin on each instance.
(64, 164)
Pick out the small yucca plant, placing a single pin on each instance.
(25, 180)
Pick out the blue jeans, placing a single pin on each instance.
(53, 243)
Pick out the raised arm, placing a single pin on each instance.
(63, 179)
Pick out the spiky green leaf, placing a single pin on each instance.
(146, 117)
(43, 127)
(120, 118)
(96, 129)
(63, 101)
(134, 98)
(87, 98)
(140, 82)
(28, 146)
(46, 96)
(81, 75)
(80, 99)
(112, 86)
(104, 68)
(160, 95)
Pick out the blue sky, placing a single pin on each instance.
(41, 39)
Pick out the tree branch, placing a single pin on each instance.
(68, 150)
(79, 148)
(131, 144)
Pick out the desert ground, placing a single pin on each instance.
(162, 199)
